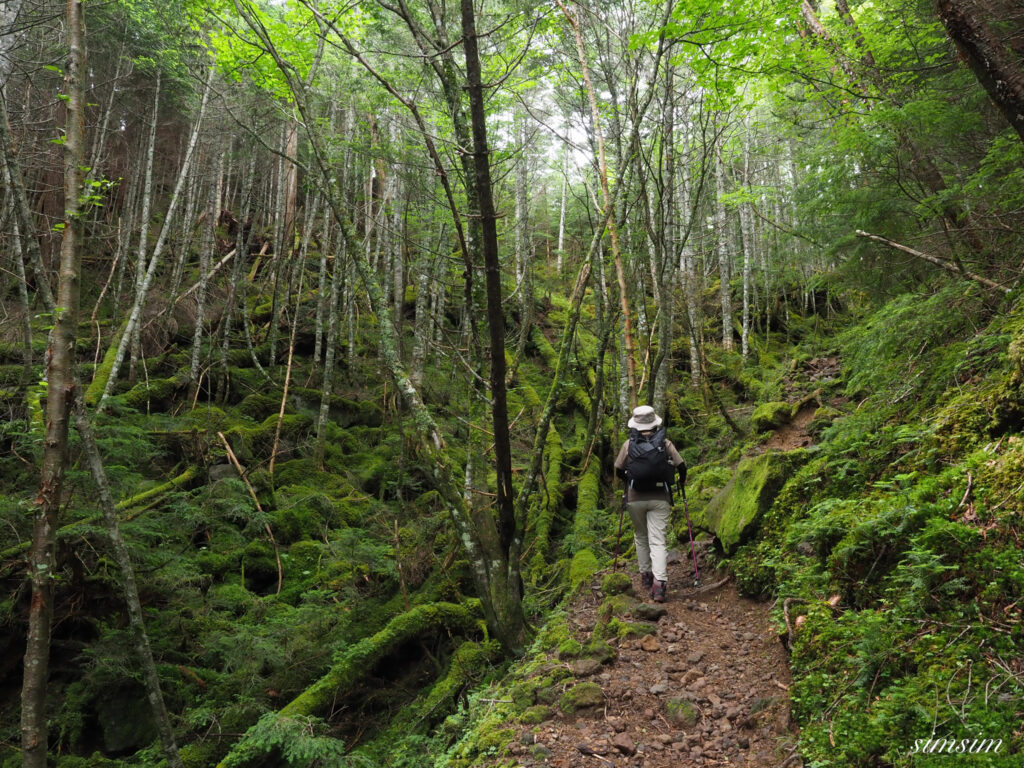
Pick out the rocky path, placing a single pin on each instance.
(705, 684)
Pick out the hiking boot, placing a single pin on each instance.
(647, 579)
(658, 589)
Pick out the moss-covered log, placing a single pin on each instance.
(101, 375)
(132, 503)
(359, 661)
(543, 512)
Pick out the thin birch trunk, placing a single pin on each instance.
(242, 239)
(18, 257)
(747, 241)
(425, 301)
(144, 217)
(724, 265)
(620, 271)
(280, 249)
(689, 275)
(287, 374)
(193, 200)
(666, 275)
(523, 245)
(140, 298)
(22, 208)
(331, 345)
(559, 258)
(322, 300)
(206, 245)
(140, 638)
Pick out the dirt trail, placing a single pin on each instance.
(713, 649)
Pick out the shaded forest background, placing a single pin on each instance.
(322, 322)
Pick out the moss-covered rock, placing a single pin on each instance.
(581, 696)
(735, 512)
(536, 714)
(616, 605)
(682, 712)
(823, 416)
(156, 394)
(623, 629)
(769, 416)
(260, 405)
(523, 696)
(616, 584)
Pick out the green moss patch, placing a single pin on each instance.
(770, 416)
(581, 696)
(735, 512)
(616, 584)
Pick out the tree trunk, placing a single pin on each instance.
(724, 262)
(560, 252)
(331, 344)
(747, 241)
(997, 68)
(620, 270)
(242, 237)
(206, 245)
(18, 256)
(22, 208)
(505, 583)
(144, 217)
(60, 392)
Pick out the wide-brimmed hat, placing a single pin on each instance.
(644, 417)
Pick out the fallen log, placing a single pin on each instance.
(358, 662)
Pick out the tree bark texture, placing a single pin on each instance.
(999, 71)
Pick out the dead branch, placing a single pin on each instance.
(946, 265)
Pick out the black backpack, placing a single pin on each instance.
(647, 461)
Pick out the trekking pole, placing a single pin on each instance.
(693, 551)
(618, 539)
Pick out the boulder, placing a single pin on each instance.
(768, 416)
(735, 512)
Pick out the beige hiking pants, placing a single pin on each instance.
(650, 528)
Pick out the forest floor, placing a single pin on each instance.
(712, 648)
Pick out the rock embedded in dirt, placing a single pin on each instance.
(585, 667)
(650, 643)
(581, 697)
(623, 743)
(649, 611)
(682, 712)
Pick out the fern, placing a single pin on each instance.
(301, 743)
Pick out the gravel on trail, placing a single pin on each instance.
(708, 687)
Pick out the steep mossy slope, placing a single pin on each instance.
(895, 550)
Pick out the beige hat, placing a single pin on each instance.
(644, 418)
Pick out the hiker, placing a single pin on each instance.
(647, 463)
